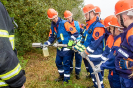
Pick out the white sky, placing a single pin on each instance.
(107, 6)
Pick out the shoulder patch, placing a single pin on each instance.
(97, 34)
(71, 29)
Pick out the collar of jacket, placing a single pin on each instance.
(56, 24)
(116, 37)
(72, 23)
(91, 21)
(129, 27)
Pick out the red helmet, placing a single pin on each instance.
(97, 10)
(52, 13)
(114, 22)
(107, 20)
(67, 14)
(123, 6)
(88, 8)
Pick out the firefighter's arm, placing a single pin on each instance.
(11, 71)
(129, 38)
(109, 44)
(108, 64)
(98, 36)
(51, 38)
(124, 51)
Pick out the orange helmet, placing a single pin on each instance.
(114, 22)
(107, 20)
(123, 6)
(52, 13)
(67, 14)
(88, 8)
(97, 10)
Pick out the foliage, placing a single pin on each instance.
(31, 17)
(23, 62)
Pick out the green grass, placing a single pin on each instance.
(23, 61)
(42, 71)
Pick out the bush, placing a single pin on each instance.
(31, 17)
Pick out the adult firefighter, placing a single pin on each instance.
(68, 16)
(92, 42)
(124, 13)
(11, 73)
(65, 33)
(114, 45)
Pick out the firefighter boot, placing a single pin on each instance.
(60, 78)
(88, 76)
(77, 77)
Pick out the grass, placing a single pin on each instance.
(41, 73)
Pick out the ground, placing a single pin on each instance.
(41, 72)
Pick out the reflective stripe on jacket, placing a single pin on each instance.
(4, 33)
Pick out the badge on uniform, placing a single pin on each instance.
(97, 34)
(71, 29)
(114, 53)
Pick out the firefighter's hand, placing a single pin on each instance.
(124, 64)
(23, 86)
(46, 44)
(83, 54)
(70, 43)
(55, 44)
(78, 47)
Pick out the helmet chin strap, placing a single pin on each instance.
(109, 30)
(122, 23)
(89, 16)
(114, 32)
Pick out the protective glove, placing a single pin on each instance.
(45, 44)
(82, 48)
(70, 43)
(55, 44)
(83, 54)
(77, 46)
(124, 64)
